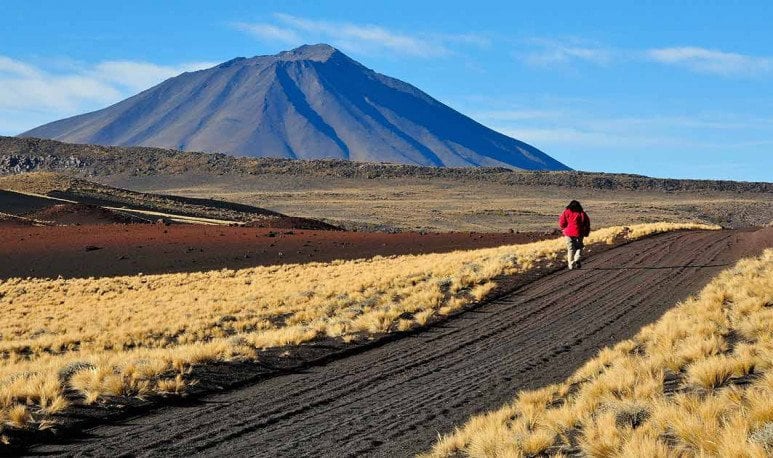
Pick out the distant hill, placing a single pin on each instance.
(309, 103)
(61, 199)
(21, 155)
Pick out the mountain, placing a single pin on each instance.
(309, 103)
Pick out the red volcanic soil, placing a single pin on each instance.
(292, 222)
(108, 250)
(14, 221)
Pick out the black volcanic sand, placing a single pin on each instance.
(392, 396)
(109, 250)
(20, 204)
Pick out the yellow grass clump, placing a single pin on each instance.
(139, 335)
(698, 382)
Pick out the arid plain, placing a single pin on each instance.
(219, 289)
(448, 204)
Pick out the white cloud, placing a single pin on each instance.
(475, 39)
(11, 67)
(574, 138)
(41, 91)
(549, 52)
(561, 126)
(269, 32)
(515, 115)
(138, 76)
(365, 37)
(627, 146)
(712, 61)
(29, 94)
(358, 38)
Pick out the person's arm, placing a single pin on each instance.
(562, 222)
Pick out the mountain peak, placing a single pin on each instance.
(319, 52)
(310, 102)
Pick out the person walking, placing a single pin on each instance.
(575, 224)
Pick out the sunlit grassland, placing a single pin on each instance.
(698, 382)
(65, 341)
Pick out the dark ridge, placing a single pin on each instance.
(18, 155)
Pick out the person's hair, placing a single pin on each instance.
(574, 206)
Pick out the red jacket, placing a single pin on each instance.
(574, 224)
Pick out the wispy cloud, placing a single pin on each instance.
(574, 138)
(269, 32)
(550, 52)
(516, 115)
(589, 140)
(712, 61)
(23, 86)
(30, 95)
(137, 76)
(358, 38)
(13, 67)
(569, 125)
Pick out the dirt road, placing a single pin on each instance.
(393, 400)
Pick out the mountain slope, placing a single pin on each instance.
(311, 102)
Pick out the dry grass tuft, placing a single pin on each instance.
(18, 416)
(172, 385)
(620, 406)
(139, 335)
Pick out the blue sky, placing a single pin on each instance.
(667, 89)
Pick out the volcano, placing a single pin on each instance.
(308, 103)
